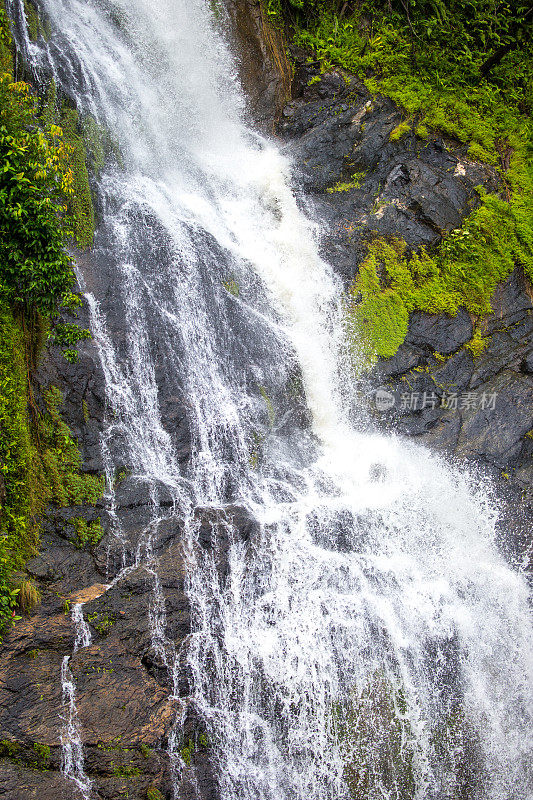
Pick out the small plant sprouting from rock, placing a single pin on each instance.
(121, 473)
(341, 186)
(231, 286)
(125, 770)
(109, 746)
(153, 794)
(102, 622)
(43, 754)
(188, 750)
(9, 749)
(145, 750)
(28, 596)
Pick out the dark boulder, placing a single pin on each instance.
(439, 332)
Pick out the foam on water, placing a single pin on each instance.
(370, 640)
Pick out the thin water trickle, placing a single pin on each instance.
(72, 763)
(369, 641)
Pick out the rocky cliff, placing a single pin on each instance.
(128, 697)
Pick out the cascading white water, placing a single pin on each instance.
(369, 641)
(72, 747)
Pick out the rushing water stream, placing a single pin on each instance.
(368, 640)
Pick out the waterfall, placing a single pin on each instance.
(72, 764)
(367, 640)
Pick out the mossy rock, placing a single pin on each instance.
(81, 202)
(376, 741)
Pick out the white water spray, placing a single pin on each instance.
(370, 641)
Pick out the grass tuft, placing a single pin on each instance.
(28, 596)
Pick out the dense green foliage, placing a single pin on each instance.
(432, 78)
(462, 69)
(456, 41)
(35, 269)
(18, 537)
(39, 460)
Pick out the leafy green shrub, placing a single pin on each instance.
(67, 336)
(35, 268)
(87, 533)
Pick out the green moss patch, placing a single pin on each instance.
(347, 186)
(462, 272)
(39, 461)
(373, 732)
(400, 131)
(442, 87)
(81, 202)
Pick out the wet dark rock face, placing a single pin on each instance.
(413, 188)
(128, 699)
(264, 69)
